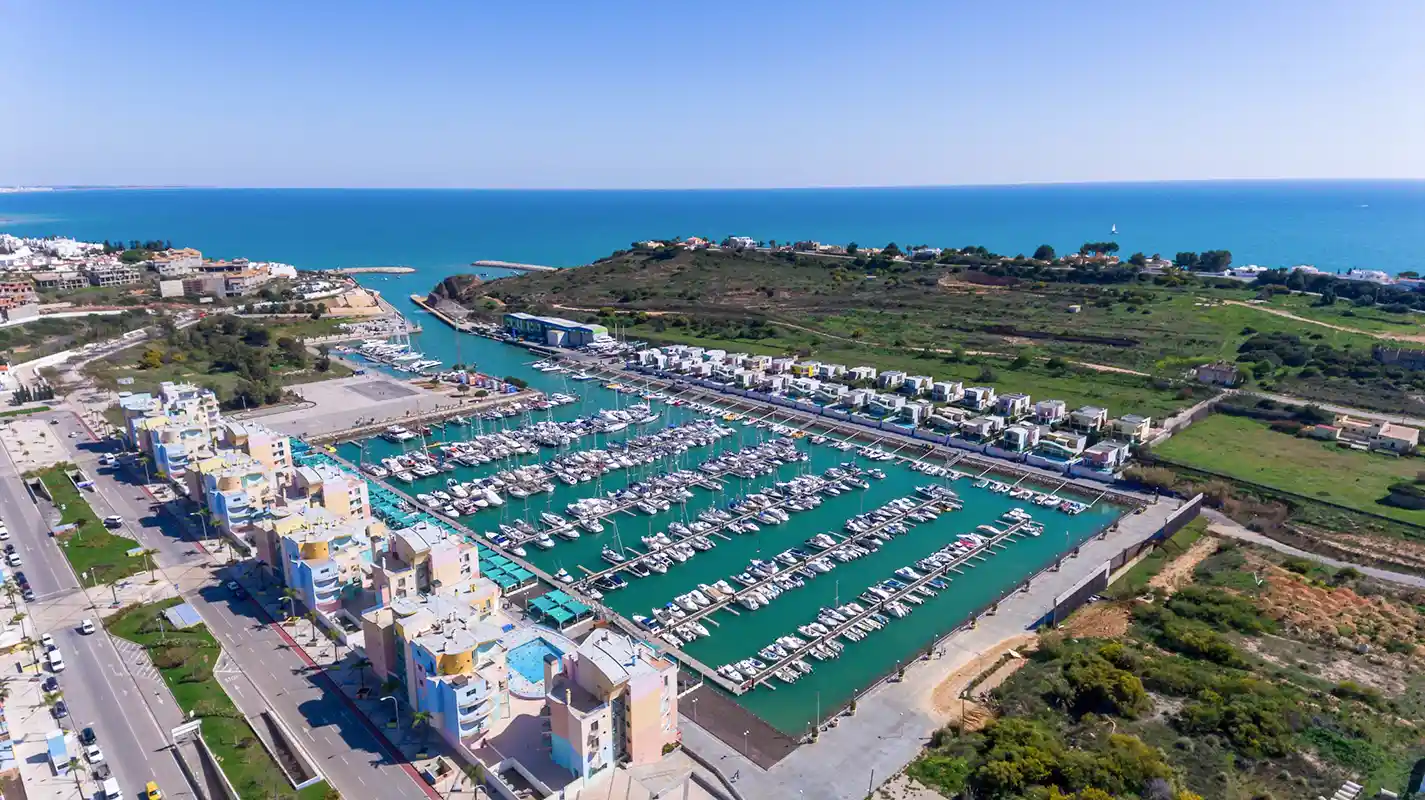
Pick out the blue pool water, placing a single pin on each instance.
(528, 659)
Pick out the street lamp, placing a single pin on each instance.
(744, 743)
(395, 710)
(88, 575)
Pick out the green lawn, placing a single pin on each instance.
(1245, 448)
(186, 659)
(20, 412)
(90, 547)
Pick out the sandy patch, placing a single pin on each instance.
(1178, 572)
(945, 699)
(904, 787)
(1097, 621)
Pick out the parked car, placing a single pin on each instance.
(14, 560)
(88, 737)
(93, 754)
(61, 710)
(28, 594)
(51, 684)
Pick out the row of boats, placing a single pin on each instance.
(827, 636)
(398, 356)
(1048, 500)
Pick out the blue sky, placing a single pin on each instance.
(727, 94)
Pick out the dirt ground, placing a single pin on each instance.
(1097, 621)
(1178, 572)
(1339, 616)
(904, 787)
(945, 698)
(1108, 620)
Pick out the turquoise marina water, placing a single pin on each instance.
(735, 636)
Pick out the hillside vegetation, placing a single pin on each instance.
(1268, 678)
(1004, 315)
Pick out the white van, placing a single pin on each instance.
(56, 661)
(110, 789)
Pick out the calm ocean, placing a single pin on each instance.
(1332, 224)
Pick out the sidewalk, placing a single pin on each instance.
(30, 719)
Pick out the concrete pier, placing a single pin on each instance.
(513, 266)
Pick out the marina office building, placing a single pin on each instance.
(553, 331)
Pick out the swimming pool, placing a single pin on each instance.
(528, 658)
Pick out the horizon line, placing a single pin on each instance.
(34, 188)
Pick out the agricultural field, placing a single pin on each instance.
(1261, 677)
(1249, 450)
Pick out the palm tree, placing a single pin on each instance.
(4, 692)
(289, 594)
(74, 770)
(390, 685)
(10, 588)
(422, 719)
(362, 664)
(312, 618)
(148, 554)
(336, 643)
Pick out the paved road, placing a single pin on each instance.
(102, 694)
(44, 565)
(98, 690)
(1224, 526)
(1360, 413)
(346, 751)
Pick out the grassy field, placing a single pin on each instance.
(1246, 448)
(90, 547)
(186, 659)
(1120, 393)
(20, 412)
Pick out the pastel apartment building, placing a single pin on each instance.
(613, 700)
(338, 491)
(173, 443)
(428, 559)
(447, 658)
(272, 449)
(1012, 406)
(319, 554)
(235, 488)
